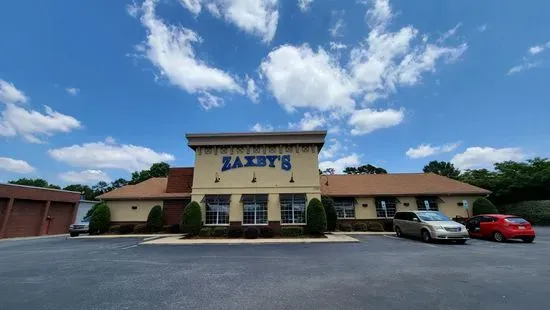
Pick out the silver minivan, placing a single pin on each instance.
(429, 225)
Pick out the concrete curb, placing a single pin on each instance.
(178, 241)
(34, 237)
(128, 236)
(371, 233)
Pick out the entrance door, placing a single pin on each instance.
(59, 218)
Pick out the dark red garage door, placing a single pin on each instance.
(173, 210)
(60, 217)
(25, 218)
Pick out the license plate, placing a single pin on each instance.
(521, 227)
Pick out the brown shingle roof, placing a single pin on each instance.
(154, 188)
(404, 184)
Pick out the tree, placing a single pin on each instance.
(191, 220)
(159, 170)
(330, 212)
(483, 206)
(365, 169)
(34, 182)
(86, 191)
(443, 168)
(100, 219)
(118, 183)
(101, 187)
(316, 218)
(330, 171)
(155, 219)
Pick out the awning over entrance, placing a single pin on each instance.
(252, 198)
(283, 197)
(216, 198)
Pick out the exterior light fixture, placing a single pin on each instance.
(217, 178)
(406, 204)
(292, 177)
(326, 178)
(253, 177)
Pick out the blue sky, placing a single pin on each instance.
(93, 90)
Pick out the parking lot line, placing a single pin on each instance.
(129, 247)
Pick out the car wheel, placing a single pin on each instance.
(74, 234)
(426, 236)
(461, 241)
(498, 236)
(398, 232)
(528, 239)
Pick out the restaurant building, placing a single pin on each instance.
(254, 179)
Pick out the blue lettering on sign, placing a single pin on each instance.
(271, 161)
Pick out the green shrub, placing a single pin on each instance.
(330, 213)
(191, 219)
(387, 224)
(316, 218)
(292, 231)
(220, 231)
(155, 219)
(483, 206)
(140, 228)
(100, 219)
(114, 229)
(172, 229)
(537, 212)
(206, 232)
(126, 229)
(345, 227)
(267, 232)
(375, 226)
(251, 233)
(235, 232)
(360, 227)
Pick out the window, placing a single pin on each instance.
(386, 207)
(433, 216)
(217, 209)
(345, 208)
(427, 203)
(254, 209)
(293, 208)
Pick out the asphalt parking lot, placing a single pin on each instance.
(381, 272)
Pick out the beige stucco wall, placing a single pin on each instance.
(121, 210)
(449, 206)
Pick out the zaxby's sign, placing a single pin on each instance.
(282, 161)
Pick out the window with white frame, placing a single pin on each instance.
(427, 203)
(345, 208)
(254, 209)
(293, 208)
(386, 207)
(216, 209)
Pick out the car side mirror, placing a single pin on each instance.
(477, 229)
(415, 220)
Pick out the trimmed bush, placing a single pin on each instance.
(483, 206)
(206, 232)
(100, 219)
(174, 229)
(345, 227)
(292, 231)
(235, 232)
(126, 229)
(155, 219)
(330, 213)
(220, 231)
(267, 232)
(387, 224)
(360, 227)
(191, 219)
(537, 212)
(140, 229)
(114, 229)
(251, 233)
(375, 226)
(316, 218)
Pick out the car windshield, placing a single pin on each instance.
(516, 220)
(432, 216)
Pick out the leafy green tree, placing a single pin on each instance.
(100, 219)
(191, 220)
(330, 212)
(34, 182)
(316, 218)
(365, 169)
(483, 206)
(85, 190)
(443, 168)
(329, 171)
(159, 170)
(101, 187)
(155, 219)
(120, 182)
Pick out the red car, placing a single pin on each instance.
(500, 227)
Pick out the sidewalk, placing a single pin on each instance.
(128, 236)
(372, 233)
(178, 241)
(33, 237)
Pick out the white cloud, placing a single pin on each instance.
(523, 67)
(482, 28)
(261, 128)
(485, 157)
(528, 61)
(450, 33)
(536, 49)
(336, 29)
(341, 163)
(72, 91)
(425, 150)
(110, 140)
(298, 77)
(308, 122)
(84, 177)
(170, 49)
(30, 124)
(328, 152)
(192, 5)
(209, 101)
(15, 165)
(368, 120)
(304, 5)
(10, 94)
(100, 155)
(213, 9)
(252, 90)
(337, 46)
